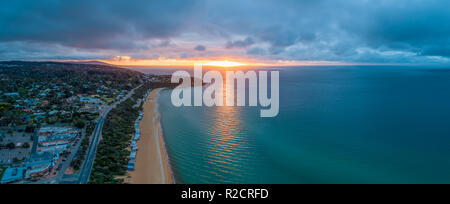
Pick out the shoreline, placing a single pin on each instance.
(163, 140)
(152, 161)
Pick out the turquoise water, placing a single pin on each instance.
(336, 125)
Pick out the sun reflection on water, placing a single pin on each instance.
(227, 143)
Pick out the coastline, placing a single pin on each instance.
(152, 162)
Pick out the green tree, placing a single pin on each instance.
(11, 146)
(80, 124)
(26, 145)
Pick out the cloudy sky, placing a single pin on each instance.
(265, 31)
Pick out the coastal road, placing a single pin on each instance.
(88, 164)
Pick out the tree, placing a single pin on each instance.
(11, 146)
(26, 145)
(80, 124)
(5, 107)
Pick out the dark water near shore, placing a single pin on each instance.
(336, 125)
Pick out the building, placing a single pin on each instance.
(90, 100)
(134, 147)
(133, 156)
(41, 164)
(11, 94)
(72, 99)
(12, 175)
(32, 103)
(131, 166)
(51, 139)
(90, 108)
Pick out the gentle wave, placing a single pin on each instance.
(336, 125)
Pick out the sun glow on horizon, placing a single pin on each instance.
(128, 61)
(224, 64)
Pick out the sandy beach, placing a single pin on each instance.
(152, 164)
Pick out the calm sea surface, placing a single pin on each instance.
(336, 125)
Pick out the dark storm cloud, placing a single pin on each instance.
(335, 30)
(418, 26)
(240, 43)
(340, 29)
(256, 51)
(200, 48)
(164, 43)
(103, 24)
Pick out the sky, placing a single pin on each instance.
(175, 32)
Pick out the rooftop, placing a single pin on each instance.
(46, 134)
(12, 175)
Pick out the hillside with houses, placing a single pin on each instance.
(48, 111)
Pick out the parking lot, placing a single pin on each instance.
(8, 156)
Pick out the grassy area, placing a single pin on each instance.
(108, 100)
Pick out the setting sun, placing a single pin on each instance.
(223, 64)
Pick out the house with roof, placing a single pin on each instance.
(51, 139)
(12, 175)
(90, 108)
(11, 94)
(32, 103)
(87, 99)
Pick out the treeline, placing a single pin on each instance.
(82, 152)
(22, 77)
(112, 154)
(78, 161)
(113, 151)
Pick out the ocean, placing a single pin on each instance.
(347, 124)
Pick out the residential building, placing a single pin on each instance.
(51, 139)
(11, 94)
(12, 175)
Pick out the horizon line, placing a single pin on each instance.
(306, 64)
